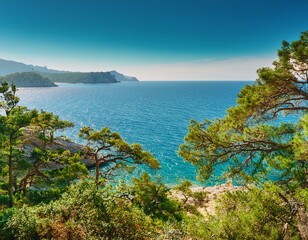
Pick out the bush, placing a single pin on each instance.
(84, 212)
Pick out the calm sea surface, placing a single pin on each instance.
(155, 114)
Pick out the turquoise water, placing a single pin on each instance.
(155, 114)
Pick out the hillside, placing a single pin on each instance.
(28, 79)
(8, 67)
(79, 77)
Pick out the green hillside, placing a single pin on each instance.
(28, 79)
(79, 77)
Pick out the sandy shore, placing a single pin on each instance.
(207, 207)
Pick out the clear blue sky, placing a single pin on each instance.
(152, 39)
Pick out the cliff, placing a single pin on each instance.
(122, 78)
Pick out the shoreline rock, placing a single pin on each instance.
(31, 141)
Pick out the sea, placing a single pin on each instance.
(153, 113)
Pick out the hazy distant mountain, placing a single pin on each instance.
(8, 67)
(122, 78)
(28, 79)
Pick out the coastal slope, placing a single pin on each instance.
(9, 67)
(28, 79)
(81, 77)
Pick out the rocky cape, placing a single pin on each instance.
(8, 67)
(123, 78)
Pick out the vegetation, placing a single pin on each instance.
(108, 149)
(46, 192)
(261, 147)
(28, 79)
(81, 77)
(26, 170)
(83, 212)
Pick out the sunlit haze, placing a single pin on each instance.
(152, 40)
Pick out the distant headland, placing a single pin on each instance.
(25, 75)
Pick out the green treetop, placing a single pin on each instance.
(12, 125)
(111, 152)
(19, 126)
(47, 123)
(244, 138)
(255, 143)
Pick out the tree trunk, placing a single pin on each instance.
(96, 170)
(51, 136)
(11, 177)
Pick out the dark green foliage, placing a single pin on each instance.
(110, 153)
(43, 165)
(153, 198)
(52, 171)
(28, 79)
(79, 77)
(8, 98)
(40, 173)
(139, 211)
(49, 166)
(191, 199)
(270, 160)
(46, 124)
(248, 214)
(36, 196)
(12, 123)
(185, 189)
(84, 212)
(5, 215)
(254, 150)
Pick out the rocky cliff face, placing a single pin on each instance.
(122, 78)
(31, 141)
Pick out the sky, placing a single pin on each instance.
(151, 39)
